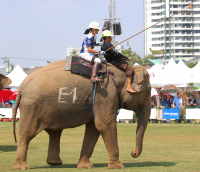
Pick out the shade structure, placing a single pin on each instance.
(17, 76)
(173, 74)
(155, 70)
(5, 95)
(154, 92)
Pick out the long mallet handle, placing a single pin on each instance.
(189, 6)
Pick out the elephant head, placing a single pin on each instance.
(4, 81)
(140, 103)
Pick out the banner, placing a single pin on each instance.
(171, 113)
(153, 113)
(192, 113)
(124, 114)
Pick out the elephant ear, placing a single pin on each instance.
(4, 81)
(138, 76)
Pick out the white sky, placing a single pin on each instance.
(43, 29)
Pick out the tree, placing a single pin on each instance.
(74, 53)
(133, 57)
(191, 65)
(149, 56)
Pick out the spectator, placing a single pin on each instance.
(171, 100)
(177, 102)
(166, 101)
(153, 101)
(192, 102)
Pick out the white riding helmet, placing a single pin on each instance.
(94, 25)
(106, 33)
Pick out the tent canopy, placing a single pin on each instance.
(173, 74)
(17, 76)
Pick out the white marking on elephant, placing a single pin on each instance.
(62, 93)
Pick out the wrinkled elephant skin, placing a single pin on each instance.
(57, 99)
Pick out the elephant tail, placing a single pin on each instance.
(17, 102)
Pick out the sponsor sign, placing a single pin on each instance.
(192, 113)
(171, 113)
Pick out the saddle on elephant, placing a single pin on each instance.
(82, 67)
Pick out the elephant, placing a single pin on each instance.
(53, 99)
(4, 81)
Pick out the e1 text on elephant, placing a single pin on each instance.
(57, 99)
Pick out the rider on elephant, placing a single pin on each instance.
(88, 53)
(117, 59)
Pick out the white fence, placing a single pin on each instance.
(8, 113)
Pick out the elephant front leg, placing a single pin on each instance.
(53, 157)
(90, 139)
(109, 134)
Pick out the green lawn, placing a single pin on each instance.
(167, 147)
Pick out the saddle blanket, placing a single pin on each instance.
(77, 68)
(83, 67)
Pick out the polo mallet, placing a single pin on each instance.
(189, 6)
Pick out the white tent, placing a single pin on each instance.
(154, 92)
(195, 73)
(171, 65)
(155, 70)
(181, 66)
(136, 64)
(173, 74)
(185, 73)
(17, 76)
(196, 68)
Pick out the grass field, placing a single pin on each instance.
(167, 147)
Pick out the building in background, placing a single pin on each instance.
(176, 37)
(73, 51)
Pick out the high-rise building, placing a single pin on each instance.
(177, 37)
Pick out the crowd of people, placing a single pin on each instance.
(169, 101)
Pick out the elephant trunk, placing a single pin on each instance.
(143, 118)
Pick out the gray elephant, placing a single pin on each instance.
(52, 99)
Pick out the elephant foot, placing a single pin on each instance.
(21, 166)
(115, 165)
(85, 164)
(54, 161)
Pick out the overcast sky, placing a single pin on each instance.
(43, 29)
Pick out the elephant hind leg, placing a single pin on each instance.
(53, 157)
(20, 157)
(90, 139)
